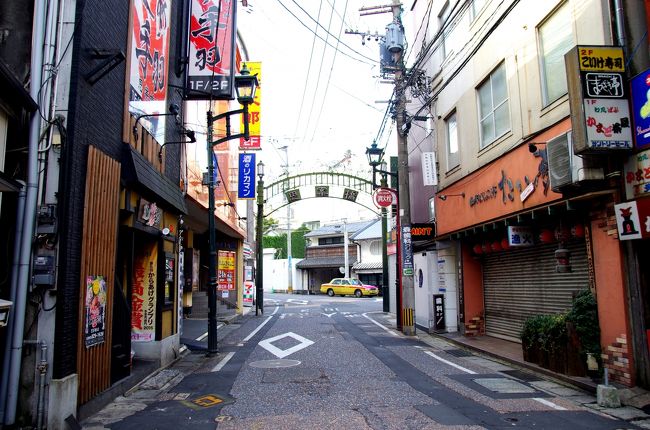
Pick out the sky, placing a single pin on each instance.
(318, 103)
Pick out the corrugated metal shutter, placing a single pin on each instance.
(520, 283)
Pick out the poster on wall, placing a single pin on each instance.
(143, 299)
(95, 301)
(149, 63)
(254, 112)
(210, 71)
(226, 270)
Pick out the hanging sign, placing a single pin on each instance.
(254, 112)
(143, 298)
(633, 219)
(429, 173)
(149, 52)
(246, 188)
(520, 236)
(211, 56)
(637, 175)
(640, 85)
(95, 310)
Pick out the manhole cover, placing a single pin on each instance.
(504, 385)
(275, 364)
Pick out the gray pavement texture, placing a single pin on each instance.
(359, 373)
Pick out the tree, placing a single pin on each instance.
(279, 242)
(269, 224)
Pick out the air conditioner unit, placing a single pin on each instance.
(565, 168)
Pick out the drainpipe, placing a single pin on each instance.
(25, 240)
(620, 24)
(42, 371)
(4, 381)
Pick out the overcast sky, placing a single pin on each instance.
(321, 108)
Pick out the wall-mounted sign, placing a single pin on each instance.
(143, 298)
(254, 112)
(637, 175)
(149, 46)
(429, 172)
(246, 188)
(149, 214)
(407, 251)
(640, 85)
(633, 219)
(520, 236)
(598, 98)
(423, 231)
(211, 62)
(95, 301)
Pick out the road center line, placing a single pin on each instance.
(247, 338)
(548, 403)
(471, 372)
(223, 362)
(380, 325)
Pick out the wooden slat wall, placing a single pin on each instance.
(99, 248)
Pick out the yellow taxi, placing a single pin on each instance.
(348, 286)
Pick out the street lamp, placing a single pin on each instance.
(259, 248)
(374, 155)
(245, 86)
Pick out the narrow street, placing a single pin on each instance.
(333, 363)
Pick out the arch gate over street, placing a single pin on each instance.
(319, 185)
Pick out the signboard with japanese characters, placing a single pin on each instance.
(429, 172)
(149, 63)
(633, 219)
(211, 54)
(520, 236)
(226, 270)
(254, 112)
(95, 300)
(637, 175)
(143, 298)
(598, 98)
(407, 251)
(246, 188)
(640, 85)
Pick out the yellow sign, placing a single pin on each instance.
(601, 59)
(254, 111)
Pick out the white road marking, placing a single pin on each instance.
(182, 349)
(247, 338)
(281, 353)
(471, 372)
(223, 362)
(328, 315)
(298, 302)
(380, 325)
(204, 335)
(548, 403)
(275, 310)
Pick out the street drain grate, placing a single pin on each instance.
(458, 352)
(522, 376)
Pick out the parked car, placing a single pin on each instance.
(348, 286)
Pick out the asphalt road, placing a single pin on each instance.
(314, 362)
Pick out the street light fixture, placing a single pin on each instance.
(245, 86)
(259, 248)
(174, 110)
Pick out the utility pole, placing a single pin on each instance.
(289, 265)
(346, 261)
(408, 293)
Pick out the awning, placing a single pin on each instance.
(142, 176)
(374, 265)
(324, 262)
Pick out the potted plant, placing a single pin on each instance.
(530, 339)
(583, 319)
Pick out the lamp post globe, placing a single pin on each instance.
(245, 86)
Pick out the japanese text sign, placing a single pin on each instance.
(210, 69)
(520, 236)
(149, 54)
(601, 58)
(640, 85)
(246, 189)
(254, 112)
(143, 298)
(226, 270)
(637, 175)
(407, 251)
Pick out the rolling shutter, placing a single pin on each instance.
(520, 283)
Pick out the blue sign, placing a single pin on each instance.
(640, 85)
(246, 189)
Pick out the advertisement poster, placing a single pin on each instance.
(143, 299)
(254, 112)
(640, 85)
(210, 69)
(95, 310)
(246, 188)
(149, 59)
(226, 270)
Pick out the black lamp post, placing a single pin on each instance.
(245, 86)
(259, 247)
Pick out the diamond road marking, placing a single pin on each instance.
(281, 353)
(298, 302)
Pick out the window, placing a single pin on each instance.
(555, 40)
(475, 8)
(453, 158)
(375, 247)
(493, 106)
(330, 240)
(447, 26)
(432, 208)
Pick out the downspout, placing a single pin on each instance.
(36, 73)
(42, 370)
(619, 17)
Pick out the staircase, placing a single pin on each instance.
(200, 306)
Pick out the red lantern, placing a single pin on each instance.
(496, 246)
(477, 249)
(486, 248)
(505, 244)
(578, 231)
(546, 236)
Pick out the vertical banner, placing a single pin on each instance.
(95, 310)
(149, 55)
(143, 299)
(429, 172)
(226, 271)
(407, 251)
(210, 70)
(246, 188)
(254, 112)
